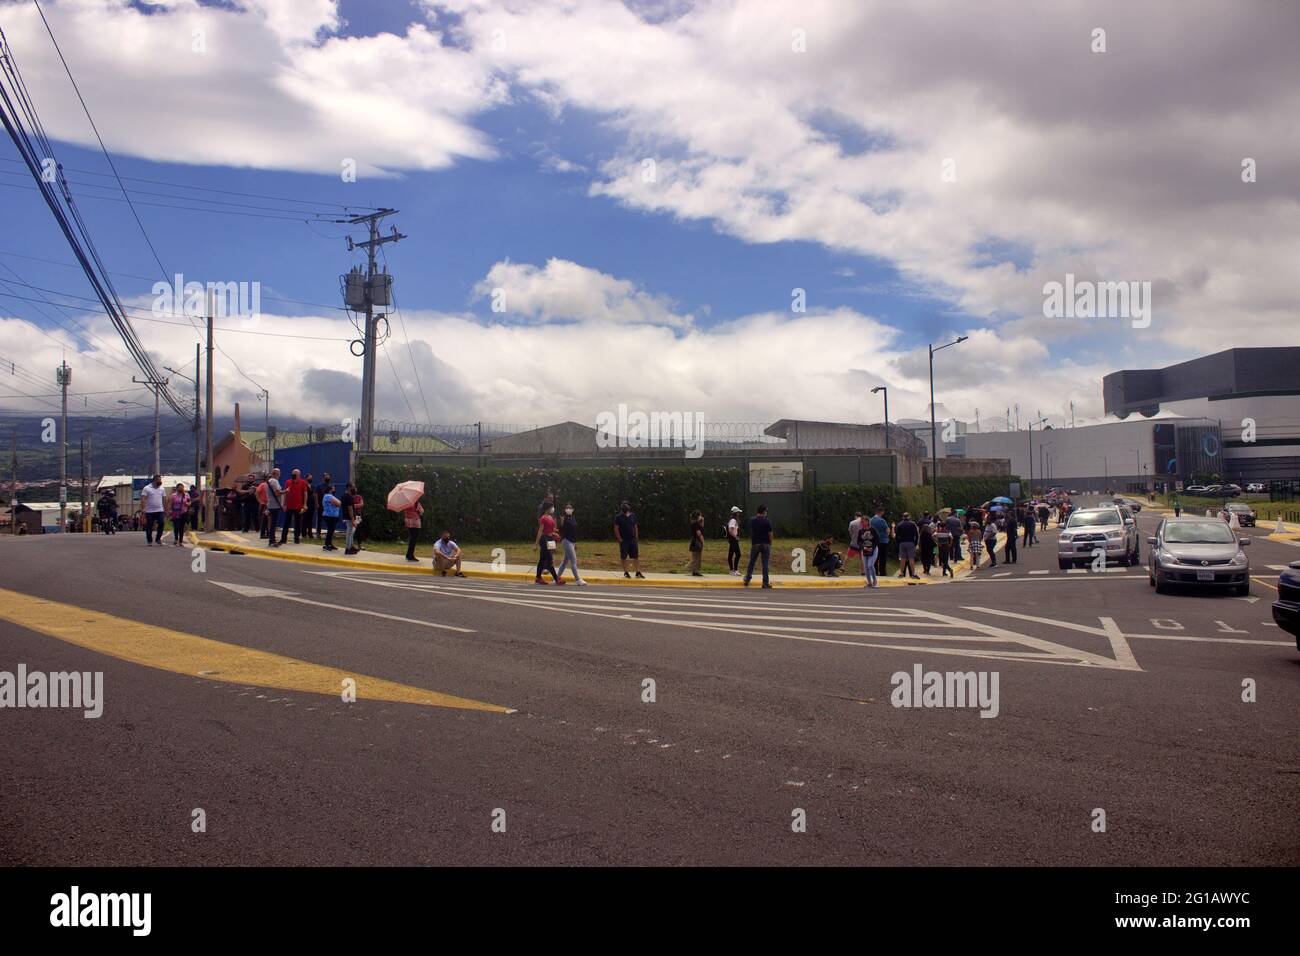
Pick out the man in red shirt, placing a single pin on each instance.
(296, 491)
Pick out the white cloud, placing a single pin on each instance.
(566, 291)
(272, 86)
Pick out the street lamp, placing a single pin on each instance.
(934, 449)
(1042, 454)
(882, 388)
(1041, 421)
(1105, 473)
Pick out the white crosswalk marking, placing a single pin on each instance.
(864, 625)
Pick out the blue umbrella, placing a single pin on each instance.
(1002, 501)
(998, 508)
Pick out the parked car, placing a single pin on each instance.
(1256, 488)
(1075, 491)
(1088, 529)
(1197, 551)
(1132, 504)
(1196, 489)
(1245, 515)
(1229, 490)
(1286, 609)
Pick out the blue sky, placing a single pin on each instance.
(512, 139)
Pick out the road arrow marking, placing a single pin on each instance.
(247, 590)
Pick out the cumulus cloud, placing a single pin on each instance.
(563, 290)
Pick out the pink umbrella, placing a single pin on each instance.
(405, 495)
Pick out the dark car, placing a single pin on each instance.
(1286, 609)
(1245, 515)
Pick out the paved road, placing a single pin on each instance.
(477, 697)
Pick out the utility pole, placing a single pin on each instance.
(208, 500)
(13, 496)
(198, 433)
(375, 294)
(90, 473)
(81, 517)
(156, 384)
(63, 375)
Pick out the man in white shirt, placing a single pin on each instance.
(153, 502)
(446, 555)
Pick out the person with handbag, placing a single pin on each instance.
(545, 542)
(411, 518)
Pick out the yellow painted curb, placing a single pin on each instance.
(427, 570)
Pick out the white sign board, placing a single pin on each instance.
(775, 476)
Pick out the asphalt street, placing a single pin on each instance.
(500, 723)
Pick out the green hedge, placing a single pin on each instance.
(500, 504)
(830, 508)
(965, 492)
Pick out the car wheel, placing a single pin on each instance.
(1065, 565)
(1151, 580)
(1161, 587)
(1125, 561)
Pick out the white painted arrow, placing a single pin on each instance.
(248, 590)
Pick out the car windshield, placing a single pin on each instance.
(1198, 532)
(1091, 519)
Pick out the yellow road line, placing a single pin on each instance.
(194, 656)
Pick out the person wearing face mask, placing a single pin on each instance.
(569, 538)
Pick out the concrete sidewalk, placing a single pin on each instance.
(309, 552)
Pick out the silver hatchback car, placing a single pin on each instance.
(1202, 551)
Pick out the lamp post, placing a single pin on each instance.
(934, 448)
(882, 388)
(1105, 473)
(1042, 455)
(1041, 421)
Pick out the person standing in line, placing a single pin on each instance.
(1030, 522)
(1010, 555)
(881, 526)
(259, 498)
(294, 503)
(545, 542)
(1178, 506)
(152, 502)
(697, 543)
(358, 522)
(954, 526)
(927, 544)
(760, 545)
(991, 542)
(627, 534)
(352, 504)
(346, 514)
(870, 552)
(310, 504)
(974, 544)
(325, 482)
(569, 541)
(274, 507)
(943, 540)
(446, 554)
(411, 518)
(108, 512)
(907, 534)
(330, 506)
(733, 541)
(854, 551)
(180, 508)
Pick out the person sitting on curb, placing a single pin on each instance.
(446, 554)
(826, 560)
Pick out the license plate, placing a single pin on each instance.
(1205, 575)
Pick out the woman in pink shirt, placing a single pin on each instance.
(180, 503)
